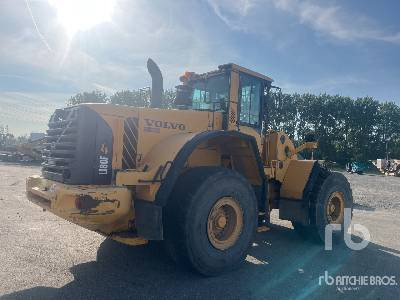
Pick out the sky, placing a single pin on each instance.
(51, 50)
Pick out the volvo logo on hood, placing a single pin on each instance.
(155, 125)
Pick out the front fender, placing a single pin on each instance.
(186, 150)
(173, 153)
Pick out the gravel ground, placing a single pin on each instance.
(45, 257)
(375, 191)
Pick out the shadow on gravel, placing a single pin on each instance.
(363, 207)
(280, 265)
(377, 173)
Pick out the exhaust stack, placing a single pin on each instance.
(156, 84)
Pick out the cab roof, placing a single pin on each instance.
(231, 66)
(222, 69)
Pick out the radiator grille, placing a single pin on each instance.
(60, 147)
(129, 151)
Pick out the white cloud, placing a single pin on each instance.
(331, 21)
(106, 89)
(28, 112)
(240, 9)
(330, 85)
(110, 56)
(335, 22)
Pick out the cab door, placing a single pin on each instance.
(250, 96)
(232, 118)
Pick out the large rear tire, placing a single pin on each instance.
(210, 220)
(332, 196)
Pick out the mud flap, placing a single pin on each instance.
(303, 210)
(148, 219)
(294, 210)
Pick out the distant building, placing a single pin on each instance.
(36, 136)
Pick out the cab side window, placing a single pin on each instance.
(250, 99)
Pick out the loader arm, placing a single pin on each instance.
(307, 145)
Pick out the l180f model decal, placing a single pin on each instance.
(103, 160)
(155, 125)
(103, 166)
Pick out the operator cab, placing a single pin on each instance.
(236, 92)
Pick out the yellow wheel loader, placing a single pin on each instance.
(202, 176)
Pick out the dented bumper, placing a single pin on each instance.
(106, 209)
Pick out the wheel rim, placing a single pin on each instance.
(225, 223)
(335, 208)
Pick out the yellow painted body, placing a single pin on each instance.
(115, 115)
(107, 209)
(296, 178)
(161, 134)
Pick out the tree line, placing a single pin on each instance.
(138, 98)
(346, 129)
(8, 139)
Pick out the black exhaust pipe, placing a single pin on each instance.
(156, 84)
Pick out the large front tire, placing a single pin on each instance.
(332, 196)
(210, 220)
